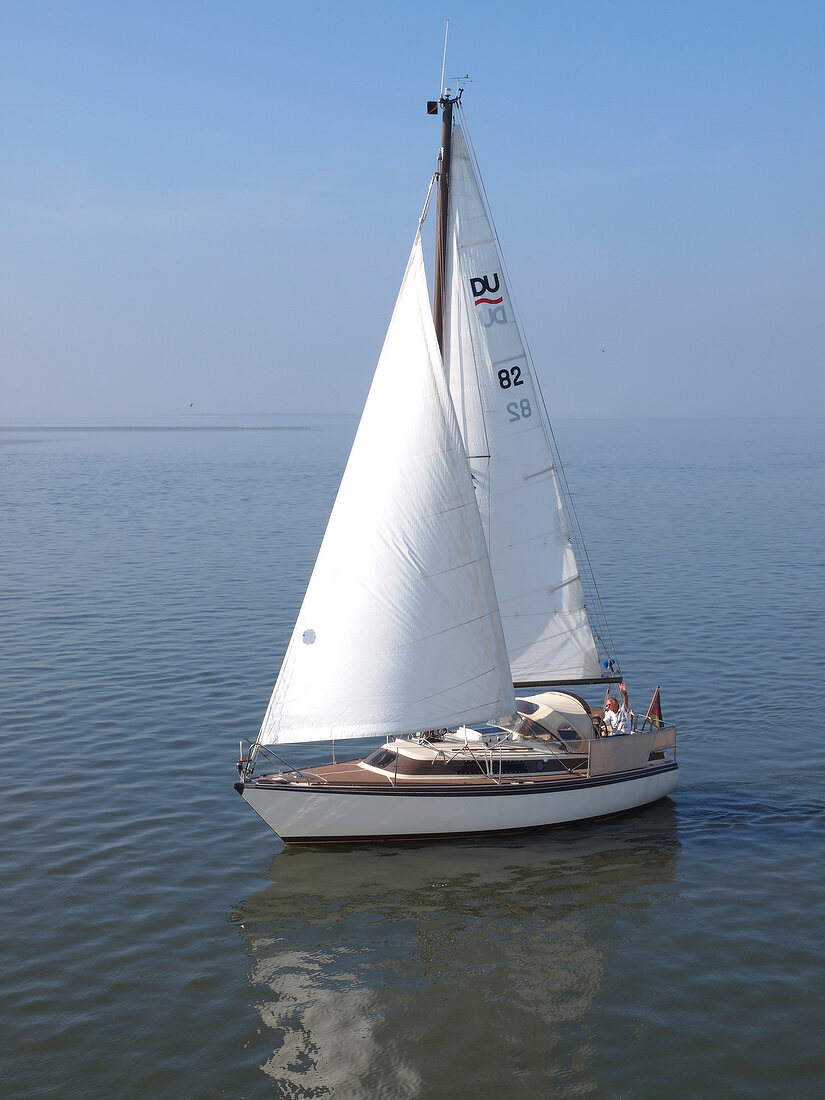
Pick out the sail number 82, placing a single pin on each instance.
(508, 378)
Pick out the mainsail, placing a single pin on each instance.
(399, 629)
(506, 435)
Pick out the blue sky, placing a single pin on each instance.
(213, 203)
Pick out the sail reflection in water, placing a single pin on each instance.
(395, 971)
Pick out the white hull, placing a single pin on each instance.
(309, 815)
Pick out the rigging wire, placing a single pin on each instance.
(426, 209)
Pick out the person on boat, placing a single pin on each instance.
(617, 718)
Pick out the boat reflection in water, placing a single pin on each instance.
(403, 971)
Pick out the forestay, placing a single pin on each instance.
(506, 435)
(399, 629)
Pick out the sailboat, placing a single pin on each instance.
(447, 612)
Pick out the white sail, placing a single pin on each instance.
(506, 434)
(399, 629)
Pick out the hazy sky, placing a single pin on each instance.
(213, 202)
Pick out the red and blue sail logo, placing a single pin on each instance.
(482, 288)
(481, 285)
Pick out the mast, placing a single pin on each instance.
(443, 206)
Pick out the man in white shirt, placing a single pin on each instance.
(617, 718)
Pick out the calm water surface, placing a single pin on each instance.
(157, 939)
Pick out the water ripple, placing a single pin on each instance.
(158, 941)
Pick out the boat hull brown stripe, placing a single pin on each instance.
(558, 785)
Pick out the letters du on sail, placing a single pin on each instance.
(480, 287)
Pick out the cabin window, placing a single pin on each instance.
(526, 707)
(380, 758)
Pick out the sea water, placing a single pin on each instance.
(158, 940)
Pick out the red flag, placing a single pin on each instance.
(654, 712)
